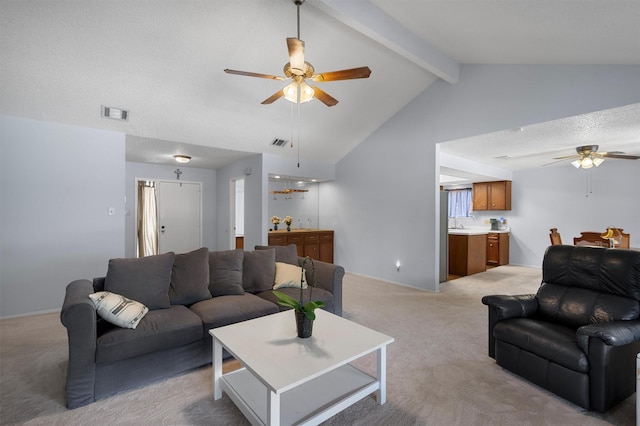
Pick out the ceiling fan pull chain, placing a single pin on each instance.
(298, 128)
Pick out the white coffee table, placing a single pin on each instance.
(287, 380)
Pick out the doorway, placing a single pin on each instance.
(237, 213)
(178, 216)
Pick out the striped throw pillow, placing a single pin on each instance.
(118, 309)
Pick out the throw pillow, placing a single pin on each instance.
(258, 270)
(145, 279)
(288, 276)
(225, 272)
(285, 254)
(118, 309)
(190, 278)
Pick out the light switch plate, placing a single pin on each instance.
(112, 211)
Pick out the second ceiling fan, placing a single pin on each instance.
(298, 70)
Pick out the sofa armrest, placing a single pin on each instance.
(611, 350)
(329, 278)
(503, 307)
(78, 315)
(615, 333)
(512, 306)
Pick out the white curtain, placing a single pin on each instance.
(147, 219)
(459, 202)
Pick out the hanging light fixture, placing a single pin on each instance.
(298, 86)
(587, 162)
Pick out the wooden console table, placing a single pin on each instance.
(315, 243)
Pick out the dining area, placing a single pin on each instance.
(610, 238)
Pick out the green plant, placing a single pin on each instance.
(308, 309)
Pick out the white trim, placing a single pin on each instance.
(28, 314)
(135, 212)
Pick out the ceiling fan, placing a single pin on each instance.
(299, 71)
(587, 157)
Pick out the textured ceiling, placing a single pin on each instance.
(163, 60)
(537, 145)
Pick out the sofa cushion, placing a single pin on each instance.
(144, 279)
(190, 278)
(258, 270)
(225, 272)
(285, 254)
(118, 310)
(316, 294)
(575, 306)
(289, 276)
(159, 329)
(224, 310)
(553, 342)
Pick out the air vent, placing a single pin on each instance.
(278, 142)
(115, 113)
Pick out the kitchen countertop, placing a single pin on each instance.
(476, 231)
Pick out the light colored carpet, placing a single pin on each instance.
(438, 369)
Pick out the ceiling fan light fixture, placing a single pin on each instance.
(182, 158)
(576, 163)
(291, 92)
(597, 161)
(587, 163)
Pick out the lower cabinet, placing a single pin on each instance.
(318, 245)
(467, 254)
(498, 248)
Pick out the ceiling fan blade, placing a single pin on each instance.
(566, 157)
(624, 157)
(296, 55)
(324, 97)
(253, 74)
(554, 162)
(271, 99)
(362, 72)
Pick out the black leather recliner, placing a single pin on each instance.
(579, 335)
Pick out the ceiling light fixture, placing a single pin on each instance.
(295, 87)
(587, 162)
(182, 158)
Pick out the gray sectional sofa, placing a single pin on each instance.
(186, 295)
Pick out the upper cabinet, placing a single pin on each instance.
(492, 195)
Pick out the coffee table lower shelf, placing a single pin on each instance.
(310, 403)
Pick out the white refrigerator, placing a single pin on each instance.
(444, 235)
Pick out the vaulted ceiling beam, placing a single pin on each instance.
(368, 19)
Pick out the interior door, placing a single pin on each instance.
(179, 216)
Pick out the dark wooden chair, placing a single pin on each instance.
(556, 240)
(589, 238)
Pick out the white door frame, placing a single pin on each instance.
(157, 182)
(232, 209)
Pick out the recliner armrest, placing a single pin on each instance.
(503, 307)
(616, 333)
(523, 305)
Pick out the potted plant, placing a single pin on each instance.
(288, 220)
(304, 312)
(275, 220)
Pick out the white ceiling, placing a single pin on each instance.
(164, 60)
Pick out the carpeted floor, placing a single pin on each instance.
(438, 369)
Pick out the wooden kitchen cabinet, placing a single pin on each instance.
(467, 254)
(498, 248)
(317, 244)
(492, 195)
